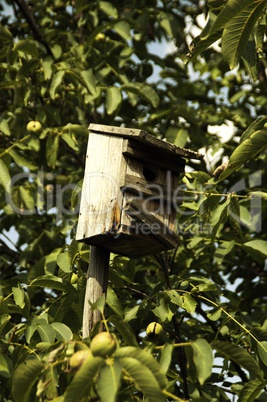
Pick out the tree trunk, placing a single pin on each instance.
(96, 286)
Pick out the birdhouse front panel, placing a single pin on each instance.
(129, 195)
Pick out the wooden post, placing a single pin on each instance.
(96, 286)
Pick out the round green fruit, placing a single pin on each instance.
(100, 37)
(74, 278)
(78, 358)
(153, 329)
(34, 126)
(103, 344)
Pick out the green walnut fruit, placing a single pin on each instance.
(103, 344)
(100, 37)
(153, 329)
(78, 358)
(34, 126)
(74, 279)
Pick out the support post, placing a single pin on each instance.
(96, 286)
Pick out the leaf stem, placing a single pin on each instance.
(233, 319)
(6, 151)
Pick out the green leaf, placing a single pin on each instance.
(89, 81)
(238, 30)
(146, 359)
(214, 314)
(219, 215)
(70, 140)
(75, 200)
(4, 176)
(233, 212)
(48, 384)
(143, 378)
(256, 248)
(246, 150)
(114, 303)
(215, 26)
(165, 357)
(27, 46)
(238, 355)
(123, 29)
(27, 196)
(76, 129)
(262, 349)
(251, 390)
(50, 282)
(46, 332)
(24, 378)
(169, 23)
(64, 262)
(108, 9)
(177, 136)
(84, 379)
(5, 35)
(203, 359)
(256, 125)
(56, 82)
(21, 160)
(4, 319)
(108, 381)
(163, 311)
(175, 298)
(113, 99)
(130, 313)
(222, 250)
(144, 91)
(63, 333)
(4, 127)
(18, 294)
(124, 329)
(6, 368)
(189, 304)
(249, 57)
(48, 67)
(52, 145)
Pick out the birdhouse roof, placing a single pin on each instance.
(145, 138)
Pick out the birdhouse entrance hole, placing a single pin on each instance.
(149, 174)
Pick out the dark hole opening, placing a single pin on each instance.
(149, 174)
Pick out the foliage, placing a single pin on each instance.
(68, 64)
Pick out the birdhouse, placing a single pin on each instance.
(130, 191)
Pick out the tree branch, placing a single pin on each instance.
(28, 15)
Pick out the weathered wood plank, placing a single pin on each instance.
(101, 195)
(139, 185)
(158, 228)
(132, 244)
(96, 286)
(155, 157)
(144, 137)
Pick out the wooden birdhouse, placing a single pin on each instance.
(130, 191)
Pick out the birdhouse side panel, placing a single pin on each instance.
(152, 186)
(101, 200)
(148, 202)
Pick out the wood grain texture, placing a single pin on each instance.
(144, 137)
(101, 195)
(96, 286)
